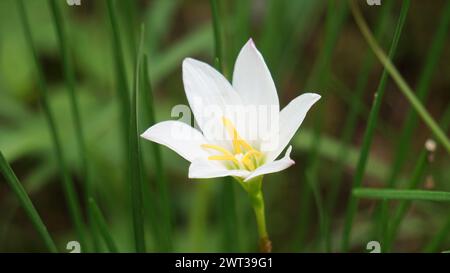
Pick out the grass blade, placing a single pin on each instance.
(69, 76)
(368, 134)
(397, 77)
(323, 218)
(391, 194)
(68, 186)
(417, 176)
(410, 124)
(434, 244)
(165, 222)
(19, 191)
(334, 22)
(217, 31)
(102, 226)
(122, 83)
(352, 118)
(135, 159)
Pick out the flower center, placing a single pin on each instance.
(243, 156)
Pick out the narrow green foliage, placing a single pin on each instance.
(323, 218)
(102, 226)
(368, 134)
(399, 80)
(128, 10)
(417, 177)
(391, 194)
(218, 53)
(404, 141)
(122, 83)
(67, 183)
(69, 76)
(352, 117)
(334, 23)
(165, 219)
(437, 240)
(135, 160)
(241, 25)
(27, 205)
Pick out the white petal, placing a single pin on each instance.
(291, 117)
(208, 93)
(252, 79)
(207, 169)
(178, 136)
(274, 166)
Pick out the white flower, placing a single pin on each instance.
(224, 145)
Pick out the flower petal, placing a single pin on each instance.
(252, 79)
(207, 169)
(274, 166)
(178, 136)
(208, 93)
(291, 117)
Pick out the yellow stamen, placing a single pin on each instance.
(233, 133)
(237, 140)
(247, 159)
(248, 163)
(217, 148)
(222, 157)
(251, 156)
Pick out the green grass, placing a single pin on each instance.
(417, 176)
(351, 120)
(67, 183)
(399, 80)
(411, 122)
(162, 226)
(318, 79)
(102, 226)
(368, 133)
(391, 194)
(26, 204)
(69, 77)
(135, 159)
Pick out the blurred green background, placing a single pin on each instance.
(309, 45)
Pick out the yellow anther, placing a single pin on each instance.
(233, 133)
(236, 139)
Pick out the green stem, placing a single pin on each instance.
(402, 84)
(254, 190)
